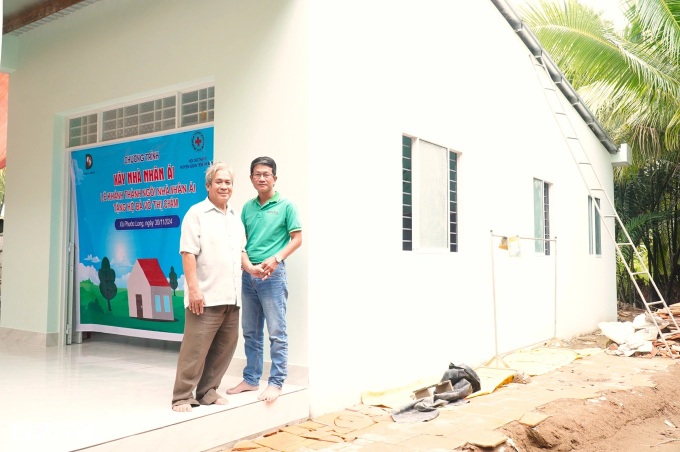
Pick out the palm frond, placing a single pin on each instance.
(588, 49)
(660, 20)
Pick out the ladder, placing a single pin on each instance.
(608, 210)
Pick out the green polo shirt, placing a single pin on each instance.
(268, 227)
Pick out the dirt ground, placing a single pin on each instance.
(640, 419)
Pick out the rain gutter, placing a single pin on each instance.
(531, 41)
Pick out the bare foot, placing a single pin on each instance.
(221, 401)
(183, 407)
(242, 387)
(270, 394)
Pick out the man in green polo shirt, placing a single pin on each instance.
(274, 232)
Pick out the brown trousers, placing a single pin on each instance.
(207, 348)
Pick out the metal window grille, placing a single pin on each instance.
(453, 201)
(546, 217)
(436, 196)
(407, 194)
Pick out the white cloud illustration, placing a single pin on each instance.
(93, 259)
(121, 281)
(85, 272)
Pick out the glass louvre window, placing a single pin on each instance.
(541, 216)
(407, 195)
(198, 106)
(431, 223)
(151, 116)
(139, 119)
(82, 130)
(594, 227)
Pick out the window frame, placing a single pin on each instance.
(594, 226)
(541, 225)
(94, 118)
(411, 221)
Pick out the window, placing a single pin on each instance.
(139, 119)
(407, 195)
(198, 106)
(542, 216)
(594, 227)
(192, 107)
(82, 130)
(158, 303)
(429, 196)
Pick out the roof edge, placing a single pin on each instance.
(531, 41)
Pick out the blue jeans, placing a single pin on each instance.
(265, 301)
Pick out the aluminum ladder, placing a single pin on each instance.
(608, 210)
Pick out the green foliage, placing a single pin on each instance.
(630, 80)
(95, 306)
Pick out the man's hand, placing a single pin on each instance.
(268, 267)
(257, 271)
(196, 302)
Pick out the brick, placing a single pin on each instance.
(279, 440)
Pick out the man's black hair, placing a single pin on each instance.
(267, 161)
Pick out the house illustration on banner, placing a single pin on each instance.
(149, 293)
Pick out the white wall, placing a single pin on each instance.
(253, 51)
(452, 73)
(328, 88)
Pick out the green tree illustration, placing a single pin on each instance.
(173, 280)
(107, 281)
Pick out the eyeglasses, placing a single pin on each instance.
(259, 175)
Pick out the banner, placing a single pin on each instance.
(130, 199)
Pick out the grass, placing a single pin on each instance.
(94, 310)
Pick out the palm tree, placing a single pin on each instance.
(630, 79)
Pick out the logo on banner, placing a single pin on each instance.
(88, 161)
(197, 141)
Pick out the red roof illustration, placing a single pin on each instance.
(152, 271)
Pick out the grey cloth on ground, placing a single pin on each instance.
(464, 380)
(455, 373)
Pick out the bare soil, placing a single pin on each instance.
(634, 420)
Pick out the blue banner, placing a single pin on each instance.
(130, 199)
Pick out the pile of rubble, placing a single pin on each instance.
(642, 335)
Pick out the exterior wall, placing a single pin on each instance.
(328, 88)
(252, 50)
(455, 74)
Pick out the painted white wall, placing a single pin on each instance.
(328, 88)
(253, 51)
(452, 73)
